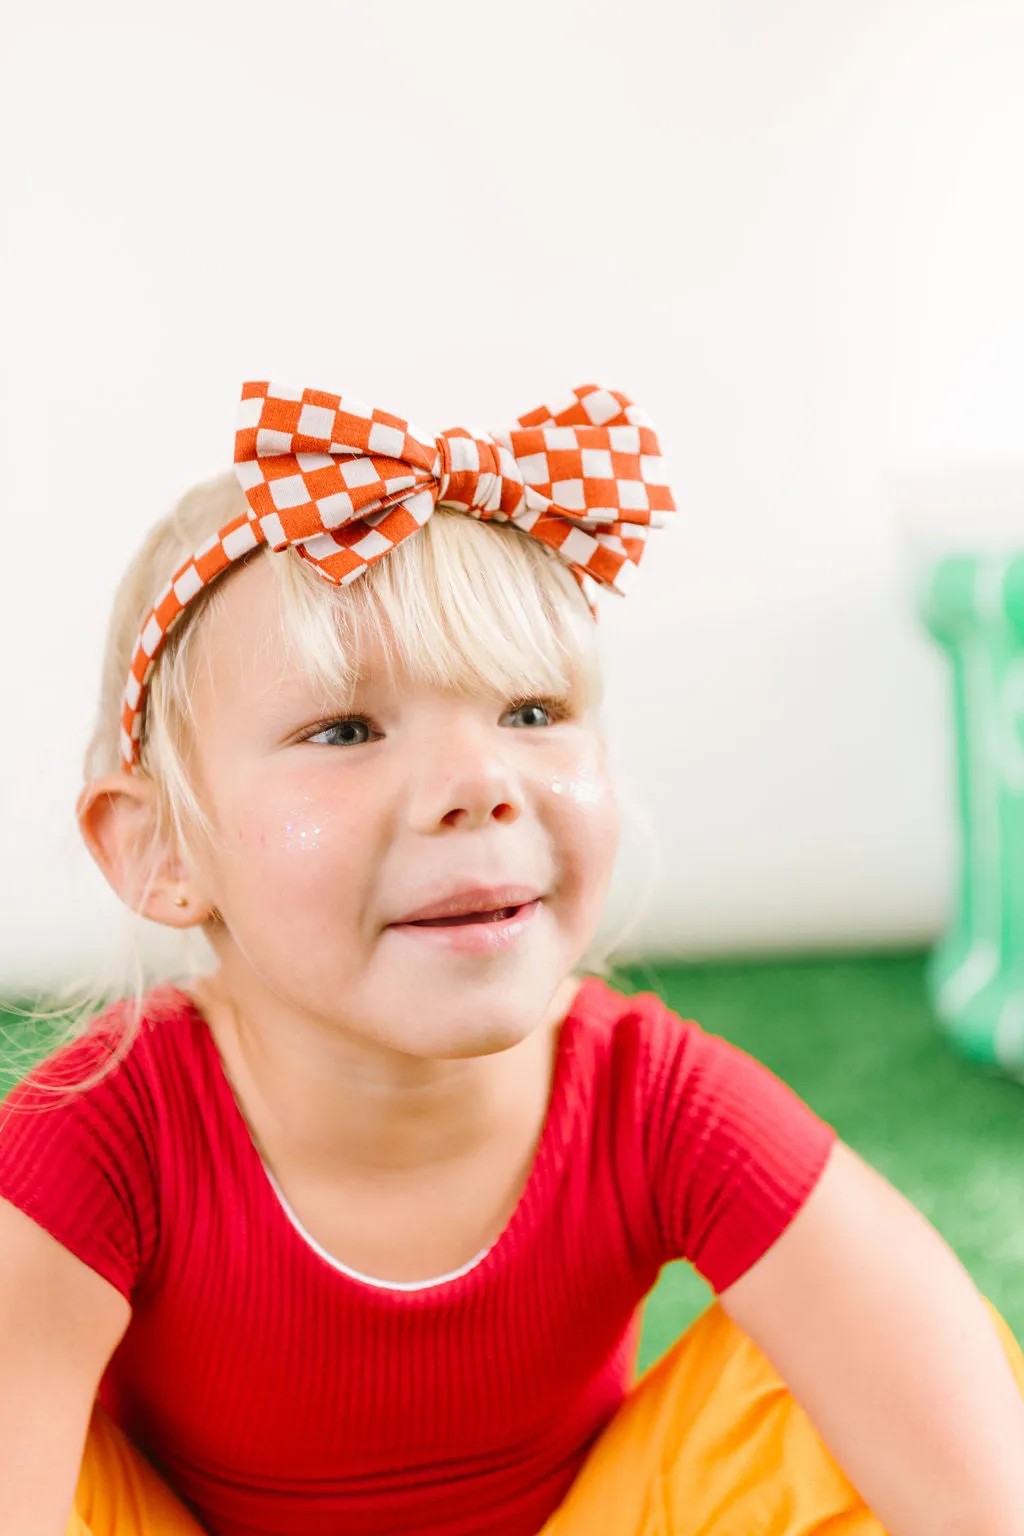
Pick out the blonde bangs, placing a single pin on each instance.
(462, 607)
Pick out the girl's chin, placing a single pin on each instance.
(483, 1024)
(446, 1044)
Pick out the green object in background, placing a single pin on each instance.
(974, 606)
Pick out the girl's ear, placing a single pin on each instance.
(117, 816)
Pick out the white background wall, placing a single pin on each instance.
(791, 229)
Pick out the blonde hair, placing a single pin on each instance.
(461, 605)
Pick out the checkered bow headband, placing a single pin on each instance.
(342, 483)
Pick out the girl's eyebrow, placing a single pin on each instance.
(301, 701)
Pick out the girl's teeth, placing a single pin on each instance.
(470, 917)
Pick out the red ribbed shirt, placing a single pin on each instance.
(278, 1393)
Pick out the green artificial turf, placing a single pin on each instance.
(856, 1039)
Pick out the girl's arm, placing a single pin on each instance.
(59, 1325)
(878, 1331)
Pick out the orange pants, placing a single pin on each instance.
(709, 1443)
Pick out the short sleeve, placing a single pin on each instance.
(732, 1152)
(76, 1159)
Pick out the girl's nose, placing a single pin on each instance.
(462, 778)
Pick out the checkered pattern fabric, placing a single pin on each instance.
(342, 483)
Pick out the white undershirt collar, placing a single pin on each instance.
(353, 1274)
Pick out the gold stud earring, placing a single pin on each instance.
(181, 901)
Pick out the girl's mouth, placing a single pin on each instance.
(501, 914)
(474, 932)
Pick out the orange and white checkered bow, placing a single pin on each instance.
(342, 483)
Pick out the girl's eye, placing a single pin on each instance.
(341, 730)
(341, 727)
(555, 709)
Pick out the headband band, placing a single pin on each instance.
(342, 483)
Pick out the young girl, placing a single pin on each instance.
(351, 1234)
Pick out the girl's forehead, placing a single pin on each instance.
(250, 654)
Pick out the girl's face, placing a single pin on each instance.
(334, 830)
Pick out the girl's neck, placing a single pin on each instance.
(321, 1107)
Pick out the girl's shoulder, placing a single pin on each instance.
(727, 1150)
(122, 1044)
(83, 1135)
(638, 1028)
(633, 1058)
(677, 1078)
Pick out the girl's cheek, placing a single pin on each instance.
(585, 813)
(299, 827)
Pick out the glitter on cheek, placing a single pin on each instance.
(586, 787)
(304, 831)
(586, 790)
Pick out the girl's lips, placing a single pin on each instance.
(487, 936)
